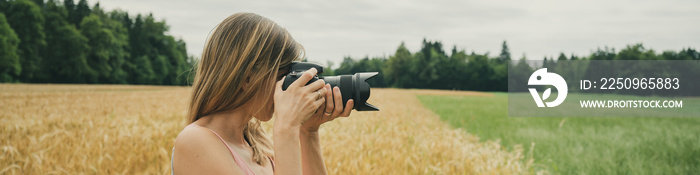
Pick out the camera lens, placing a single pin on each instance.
(354, 87)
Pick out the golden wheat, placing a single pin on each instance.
(113, 129)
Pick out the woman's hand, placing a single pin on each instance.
(333, 108)
(296, 104)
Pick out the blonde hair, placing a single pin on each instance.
(245, 47)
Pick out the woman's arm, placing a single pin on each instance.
(311, 153)
(311, 156)
(287, 154)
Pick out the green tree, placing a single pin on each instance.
(108, 47)
(27, 20)
(129, 62)
(458, 61)
(99, 39)
(144, 73)
(161, 69)
(167, 57)
(636, 52)
(498, 81)
(397, 67)
(118, 47)
(69, 5)
(561, 56)
(182, 62)
(425, 65)
(159, 48)
(40, 3)
(64, 42)
(82, 10)
(3, 5)
(347, 66)
(573, 57)
(505, 53)
(9, 59)
(66, 58)
(137, 41)
(603, 54)
(478, 72)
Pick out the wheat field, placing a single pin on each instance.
(122, 129)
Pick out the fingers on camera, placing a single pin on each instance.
(316, 85)
(338, 101)
(305, 77)
(329, 99)
(320, 100)
(348, 108)
(320, 95)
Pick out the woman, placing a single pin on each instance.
(237, 85)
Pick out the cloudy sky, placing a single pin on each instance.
(330, 30)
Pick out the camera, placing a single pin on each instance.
(352, 87)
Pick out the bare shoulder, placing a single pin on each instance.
(198, 151)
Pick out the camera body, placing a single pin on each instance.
(351, 86)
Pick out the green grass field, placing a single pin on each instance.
(581, 145)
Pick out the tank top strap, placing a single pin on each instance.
(239, 161)
(272, 162)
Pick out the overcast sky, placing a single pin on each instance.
(330, 30)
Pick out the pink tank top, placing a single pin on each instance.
(239, 161)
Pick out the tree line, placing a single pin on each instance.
(433, 68)
(63, 42)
